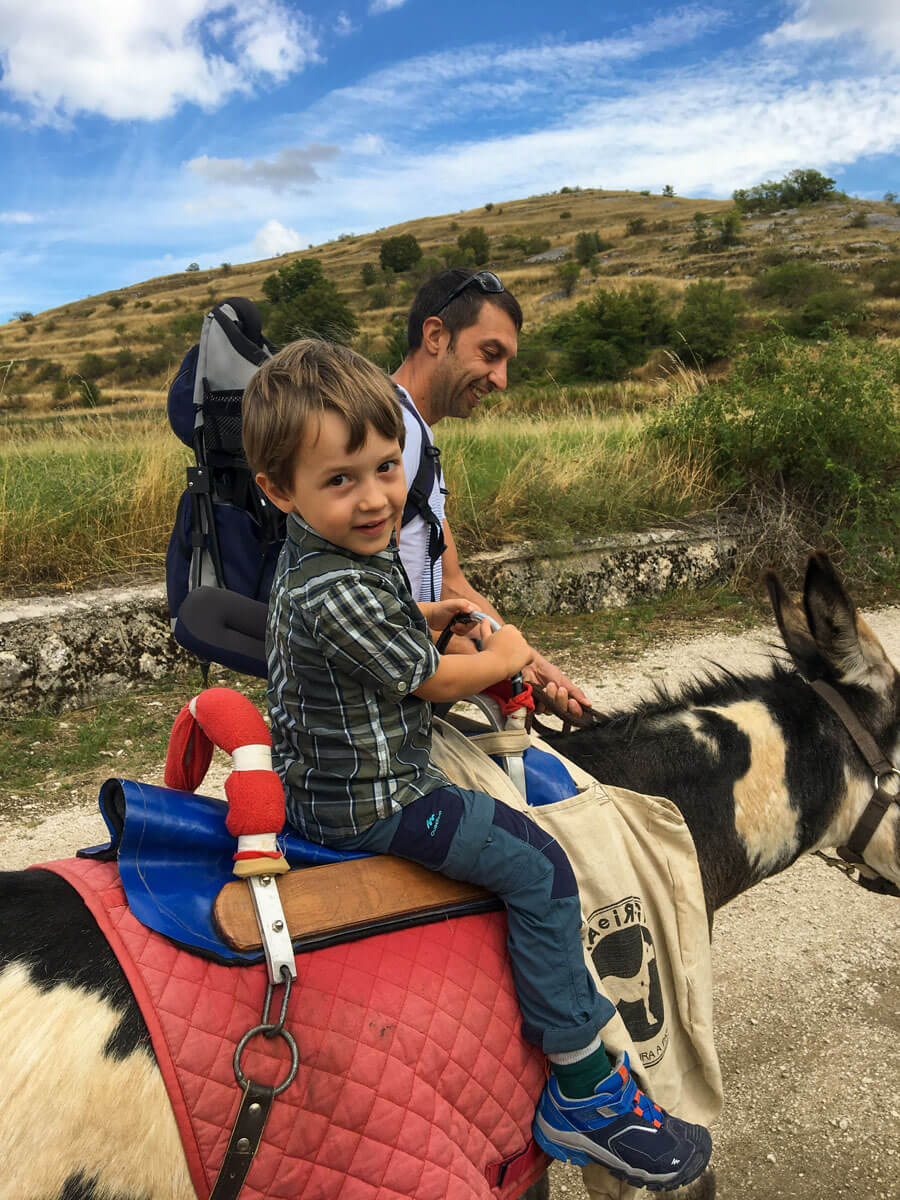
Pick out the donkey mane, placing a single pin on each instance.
(718, 686)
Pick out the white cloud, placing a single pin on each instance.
(368, 143)
(429, 89)
(876, 22)
(343, 25)
(274, 238)
(376, 7)
(142, 60)
(17, 218)
(290, 170)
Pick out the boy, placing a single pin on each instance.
(353, 672)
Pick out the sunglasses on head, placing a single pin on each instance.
(485, 281)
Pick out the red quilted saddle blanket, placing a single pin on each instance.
(414, 1081)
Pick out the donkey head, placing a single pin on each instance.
(829, 641)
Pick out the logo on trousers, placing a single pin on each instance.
(433, 821)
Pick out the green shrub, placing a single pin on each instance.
(379, 297)
(603, 337)
(48, 370)
(587, 245)
(400, 252)
(115, 302)
(707, 321)
(565, 215)
(837, 307)
(635, 226)
(859, 220)
(536, 245)
(820, 423)
(476, 240)
(91, 366)
(792, 283)
(567, 273)
(886, 279)
(369, 274)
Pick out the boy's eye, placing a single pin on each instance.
(388, 465)
(337, 480)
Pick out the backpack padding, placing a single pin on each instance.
(180, 403)
(242, 324)
(224, 627)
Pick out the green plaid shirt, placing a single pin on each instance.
(346, 647)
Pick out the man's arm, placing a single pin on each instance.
(560, 689)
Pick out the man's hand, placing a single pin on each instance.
(564, 694)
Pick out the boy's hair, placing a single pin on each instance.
(308, 377)
(462, 311)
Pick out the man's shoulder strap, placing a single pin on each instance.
(420, 489)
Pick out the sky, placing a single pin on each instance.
(137, 137)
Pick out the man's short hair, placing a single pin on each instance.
(462, 311)
(304, 379)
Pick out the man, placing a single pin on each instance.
(463, 332)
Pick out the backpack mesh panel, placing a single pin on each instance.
(222, 427)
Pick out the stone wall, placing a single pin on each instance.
(64, 652)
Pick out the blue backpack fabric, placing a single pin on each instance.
(226, 533)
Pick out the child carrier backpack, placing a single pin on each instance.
(227, 534)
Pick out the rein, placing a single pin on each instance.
(850, 854)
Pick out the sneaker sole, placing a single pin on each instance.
(545, 1138)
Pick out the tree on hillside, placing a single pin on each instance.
(476, 240)
(306, 302)
(797, 187)
(401, 252)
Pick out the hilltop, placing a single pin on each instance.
(130, 341)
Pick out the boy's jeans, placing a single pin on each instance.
(472, 837)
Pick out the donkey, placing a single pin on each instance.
(760, 766)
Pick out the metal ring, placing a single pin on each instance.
(887, 775)
(266, 1030)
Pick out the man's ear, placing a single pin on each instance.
(277, 495)
(434, 335)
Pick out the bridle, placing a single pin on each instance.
(850, 859)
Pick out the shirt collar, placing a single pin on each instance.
(307, 538)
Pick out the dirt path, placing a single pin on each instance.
(807, 989)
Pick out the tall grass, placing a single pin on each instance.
(96, 499)
(96, 503)
(560, 478)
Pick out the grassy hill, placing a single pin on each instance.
(138, 334)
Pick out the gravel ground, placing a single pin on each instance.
(807, 989)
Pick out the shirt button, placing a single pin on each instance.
(401, 686)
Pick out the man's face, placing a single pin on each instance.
(353, 499)
(474, 365)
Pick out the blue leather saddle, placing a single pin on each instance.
(175, 854)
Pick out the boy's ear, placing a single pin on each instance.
(277, 495)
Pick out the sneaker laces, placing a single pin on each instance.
(639, 1102)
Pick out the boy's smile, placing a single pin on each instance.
(353, 499)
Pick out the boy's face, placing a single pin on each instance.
(352, 499)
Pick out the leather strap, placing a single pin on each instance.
(244, 1142)
(865, 743)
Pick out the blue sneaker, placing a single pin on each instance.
(623, 1130)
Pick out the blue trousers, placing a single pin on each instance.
(472, 837)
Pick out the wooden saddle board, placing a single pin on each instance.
(350, 900)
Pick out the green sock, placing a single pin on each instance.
(577, 1080)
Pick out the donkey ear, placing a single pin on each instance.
(849, 648)
(794, 629)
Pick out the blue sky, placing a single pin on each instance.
(138, 136)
